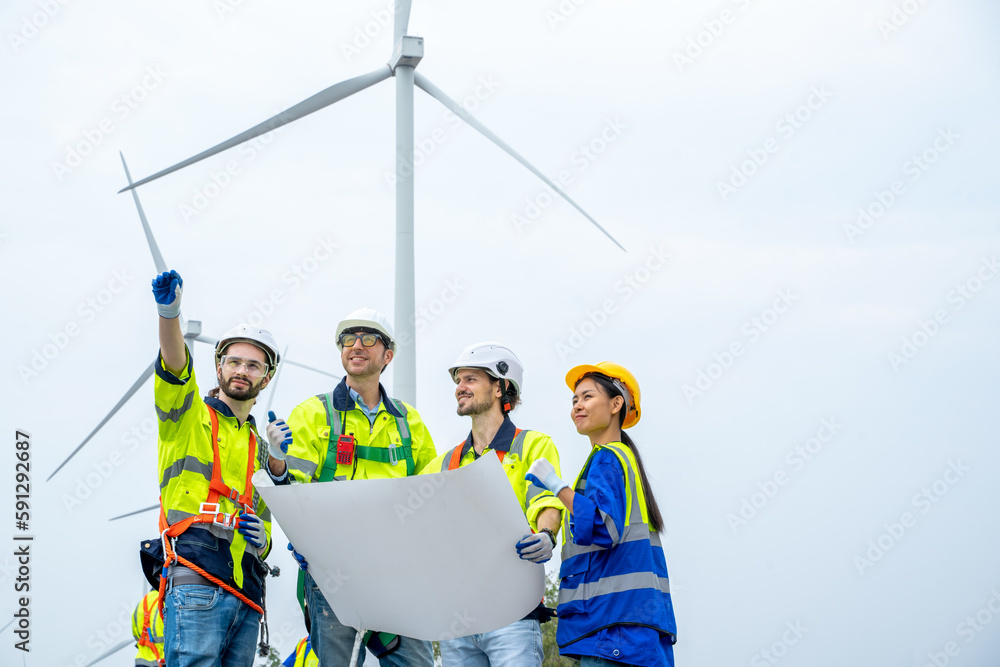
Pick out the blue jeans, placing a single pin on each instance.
(518, 644)
(334, 641)
(204, 626)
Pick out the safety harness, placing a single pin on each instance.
(460, 450)
(146, 637)
(392, 454)
(210, 513)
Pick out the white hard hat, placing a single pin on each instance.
(496, 359)
(244, 333)
(368, 319)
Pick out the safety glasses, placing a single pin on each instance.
(254, 368)
(367, 339)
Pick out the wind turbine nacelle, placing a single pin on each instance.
(408, 52)
(193, 328)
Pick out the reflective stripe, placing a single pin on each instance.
(613, 584)
(305, 466)
(146, 663)
(447, 457)
(532, 492)
(187, 464)
(175, 414)
(517, 444)
(609, 523)
(633, 533)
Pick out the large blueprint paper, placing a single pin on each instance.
(430, 556)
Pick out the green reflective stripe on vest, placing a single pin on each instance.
(614, 584)
(188, 464)
(305, 466)
(329, 470)
(402, 452)
(404, 434)
(175, 414)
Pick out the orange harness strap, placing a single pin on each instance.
(147, 628)
(216, 488)
(456, 453)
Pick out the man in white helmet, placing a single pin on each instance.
(489, 379)
(217, 530)
(355, 431)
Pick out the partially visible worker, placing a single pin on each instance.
(147, 629)
(216, 529)
(489, 380)
(614, 595)
(302, 656)
(356, 431)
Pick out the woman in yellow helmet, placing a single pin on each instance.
(614, 593)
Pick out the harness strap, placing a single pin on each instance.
(206, 515)
(462, 448)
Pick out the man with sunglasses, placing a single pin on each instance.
(355, 431)
(216, 529)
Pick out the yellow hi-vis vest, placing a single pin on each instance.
(186, 458)
(147, 628)
(305, 656)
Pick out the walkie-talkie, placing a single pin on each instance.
(345, 449)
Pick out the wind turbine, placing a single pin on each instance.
(190, 328)
(406, 55)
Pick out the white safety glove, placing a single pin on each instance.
(167, 290)
(251, 527)
(542, 474)
(279, 437)
(536, 547)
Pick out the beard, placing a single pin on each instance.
(474, 407)
(240, 393)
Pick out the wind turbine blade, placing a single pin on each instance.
(7, 626)
(161, 266)
(401, 21)
(456, 108)
(146, 374)
(111, 651)
(144, 509)
(274, 383)
(310, 368)
(322, 99)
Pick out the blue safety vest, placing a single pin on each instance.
(626, 584)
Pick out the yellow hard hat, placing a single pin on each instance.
(622, 379)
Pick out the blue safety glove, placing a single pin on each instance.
(167, 289)
(279, 437)
(303, 565)
(543, 475)
(536, 547)
(252, 528)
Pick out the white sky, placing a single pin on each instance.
(678, 130)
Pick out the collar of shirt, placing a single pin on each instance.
(501, 441)
(343, 401)
(224, 410)
(360, 402)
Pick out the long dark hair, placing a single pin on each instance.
(652, 509)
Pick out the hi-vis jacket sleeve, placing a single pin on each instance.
(176, 400)
(601, 505)
(310, 440)
(539, 446)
